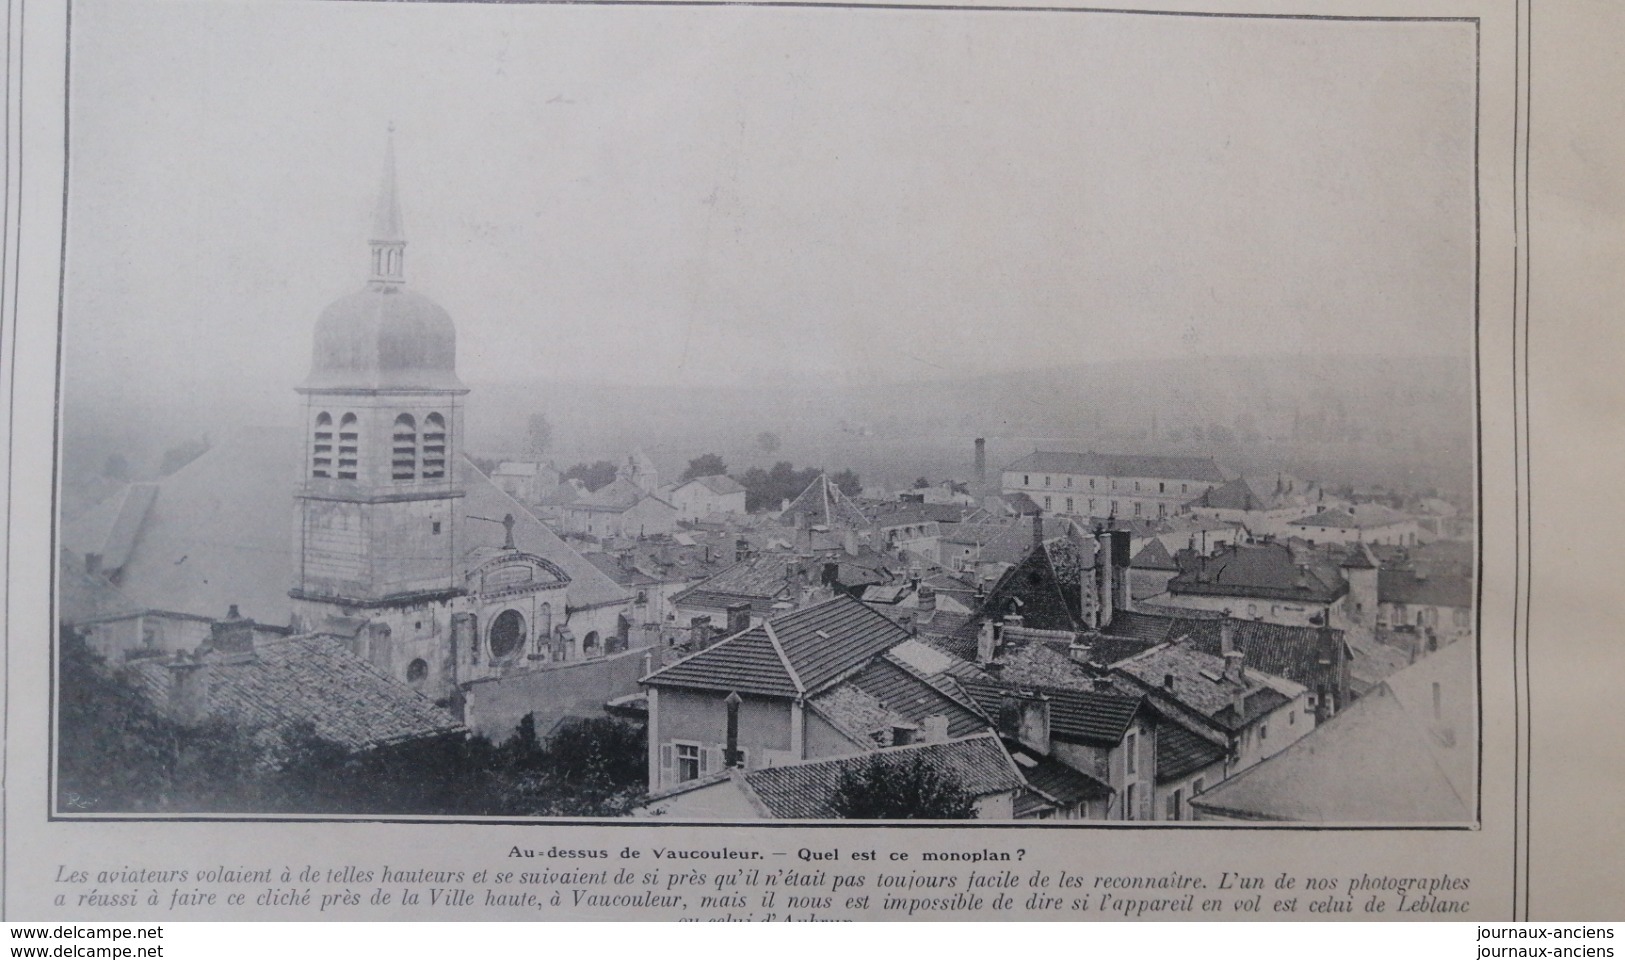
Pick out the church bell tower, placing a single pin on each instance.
(378, 503)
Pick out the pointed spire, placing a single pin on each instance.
(388, 238)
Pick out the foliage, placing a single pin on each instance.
(599, 473)
(848, 482)
(887, 788)
(485, 465)
(920, 483)
(766, 489)
(704, 465)
(119, 752)
(538, 435)
(768, 441)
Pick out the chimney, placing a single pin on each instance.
(234, 634)
(849, 541)
(935, 728)
(738, 617)
(1025, 719)
(1122, 598)
(1227, 635)
(987, 645)
(700, 631)
(914, 578)
(188, 688)
(927, 599)
(730, 755)
(1105, 576)
(981, 460)
(1234, 669)
(1168, 682)
(741, 548)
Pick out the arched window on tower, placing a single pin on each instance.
(404, 462)
(321, 446)
(349, 445)
(434, 447)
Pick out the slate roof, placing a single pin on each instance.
(801, 652)
(1193, 674)
(1084, 716)
(807, 790)
(1434, 590)
(1093, 464)
(1266, 571)
(1295, 653)
(1181, 752)
(907, 694)
(759, 577)
(1065, 786)
(1153, 556)
(823, 504)
(310, 679)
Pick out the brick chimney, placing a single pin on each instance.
(927, 601)
(232, 636)
(981, 460)
(1227, 635)
(700, 631)
(738, 618)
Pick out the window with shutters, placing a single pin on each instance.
(321, 446)
(434, 447)
(404, 452)
(688, 761)
(349, 446)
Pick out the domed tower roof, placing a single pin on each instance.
(384, 336)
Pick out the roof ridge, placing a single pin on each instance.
(687, 657)
(784, 658)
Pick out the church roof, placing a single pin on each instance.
(384, 337)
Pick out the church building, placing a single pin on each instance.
(400, 548)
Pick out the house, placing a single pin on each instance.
(1264, 507)
(702, 497)
(621, 508)
(1404, 754)
(746, 701)
(1258, 714)
(1111, 485)
(1437, 608)
(1358, 523)
(525, 481)
(1103, 733)
(808, 791)
(1262, 581)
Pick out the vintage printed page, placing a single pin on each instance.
(803, 461)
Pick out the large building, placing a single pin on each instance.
(1110, 485)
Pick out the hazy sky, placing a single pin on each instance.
(640, 195)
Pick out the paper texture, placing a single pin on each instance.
(1133, 441)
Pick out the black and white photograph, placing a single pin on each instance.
(738, 413)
